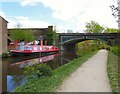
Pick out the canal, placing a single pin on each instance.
(12, 68)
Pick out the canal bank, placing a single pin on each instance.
(51, 83)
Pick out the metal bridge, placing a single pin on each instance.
(69, 40)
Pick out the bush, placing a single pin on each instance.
(44, 70)
(7, 54)
(114, 49)
(103, 46)
(37, 71)
(85, 47)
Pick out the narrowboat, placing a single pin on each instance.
(33, 49)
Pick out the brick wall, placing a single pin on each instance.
(3, 35)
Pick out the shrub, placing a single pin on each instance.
(114, 49)
(103, 46)
(44, 70)
(7, 54)
(85, 47)
(38, 70)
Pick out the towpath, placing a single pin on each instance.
(90, 77)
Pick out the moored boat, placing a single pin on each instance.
(33, 49)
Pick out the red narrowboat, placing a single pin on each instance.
(32, 49)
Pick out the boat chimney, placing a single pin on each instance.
(34, 42)
(45, 42)
(41, 42)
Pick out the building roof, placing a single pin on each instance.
(31, 28)
(3, 19)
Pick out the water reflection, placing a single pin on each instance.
(12, 68)
(13, 81)
(30, 62)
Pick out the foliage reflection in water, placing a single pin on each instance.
(14, 81)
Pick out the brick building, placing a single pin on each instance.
(36, 31)
(3, 35)
(40, 33)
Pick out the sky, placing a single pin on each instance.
(64, 15)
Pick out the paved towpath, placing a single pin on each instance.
(90, 77)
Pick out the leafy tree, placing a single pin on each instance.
(55, 35)
(16, 34)
(21, 35)
(116, 11)
(111, 30)
(93, 27)
(36, 34)
(28, 36)
(51, 35)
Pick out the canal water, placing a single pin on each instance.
(12, 68)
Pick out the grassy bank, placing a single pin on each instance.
(50, 83)
(113, 71)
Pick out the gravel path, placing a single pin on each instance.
(90, 77)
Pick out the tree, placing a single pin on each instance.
(55, 36)
(111, 30)
(94, 27)
(51, 35)
(28, 36)
(116, 11)
(21, 35)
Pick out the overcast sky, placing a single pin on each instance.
(64, 14)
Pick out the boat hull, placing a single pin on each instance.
(18, 53)
(34, 49)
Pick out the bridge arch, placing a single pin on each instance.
(68, 41)
(70, 44)
(76, 40)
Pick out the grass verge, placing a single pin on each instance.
(112, 67)
(51, 83)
